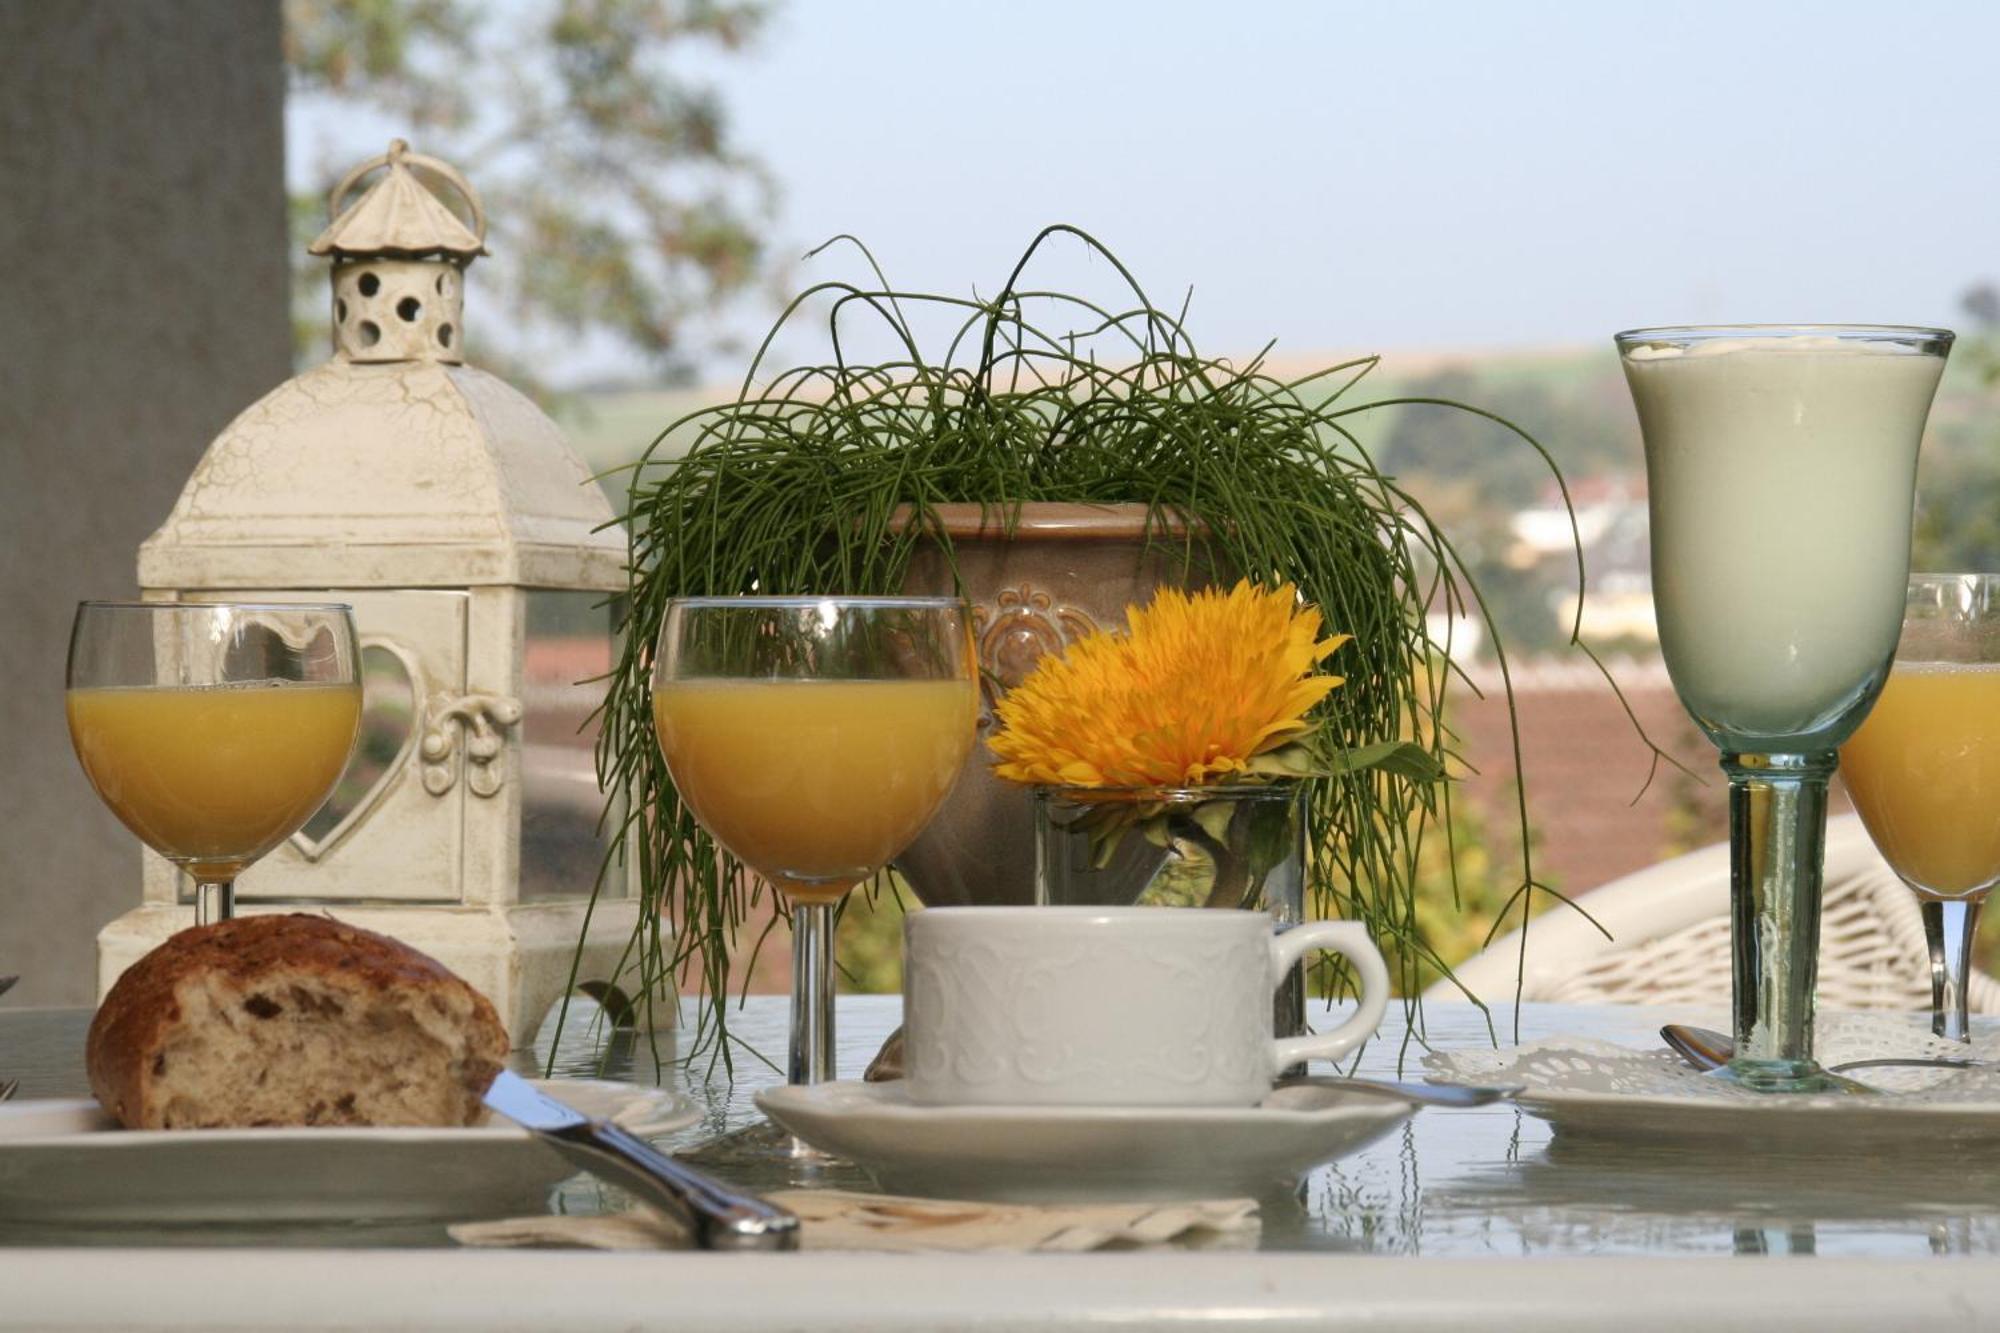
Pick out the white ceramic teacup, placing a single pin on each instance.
(1134, 1006)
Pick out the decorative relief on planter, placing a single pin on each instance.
(1021, 625)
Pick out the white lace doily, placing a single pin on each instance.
(1568, 1069)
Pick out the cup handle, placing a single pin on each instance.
(1350, 940)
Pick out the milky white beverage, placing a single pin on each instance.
(1781, 468)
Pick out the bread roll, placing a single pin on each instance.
(291, 1020)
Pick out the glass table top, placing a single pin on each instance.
(1490, 1182)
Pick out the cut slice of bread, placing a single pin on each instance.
(291, 1020)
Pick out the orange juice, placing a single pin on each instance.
(814, 783)
(214, 776)
(1924, 771)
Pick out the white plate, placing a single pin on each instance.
(1590, 1088)
(1804, 1124)
(68, 1162)
(1046, 1154)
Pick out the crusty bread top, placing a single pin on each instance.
(143, 1001)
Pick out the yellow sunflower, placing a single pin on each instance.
(1197, 686)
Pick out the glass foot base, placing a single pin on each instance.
(764, 1158)
(1794, 1076)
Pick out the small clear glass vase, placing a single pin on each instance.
(1241, 846)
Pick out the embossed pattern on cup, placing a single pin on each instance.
(1110, 1007)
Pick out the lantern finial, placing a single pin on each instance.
(399, 217)
(399, 257)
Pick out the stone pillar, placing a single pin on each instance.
(143, 302)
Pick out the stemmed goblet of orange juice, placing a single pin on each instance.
(814, 737)
(213, 730)
(1924, 771)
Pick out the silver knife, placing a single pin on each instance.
(718, 1217)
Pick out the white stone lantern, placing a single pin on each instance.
(478, 555)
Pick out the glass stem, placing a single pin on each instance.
(214, 900)
(811, 1058)
(1777, 834)
(1949, 925)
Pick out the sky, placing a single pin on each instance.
(1344, 176)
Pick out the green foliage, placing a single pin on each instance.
(1580, 408)
(797, 486)
(1958, 486)
(619, 207)
(869, 948)
(1586, 420)
(1461, 902)
(1958, 517)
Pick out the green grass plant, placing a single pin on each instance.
(795, 486)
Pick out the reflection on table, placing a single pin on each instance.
(1487, 1182)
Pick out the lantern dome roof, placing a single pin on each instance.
(399, 217)
(410, 474)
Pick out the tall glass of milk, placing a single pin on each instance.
(1781, 467)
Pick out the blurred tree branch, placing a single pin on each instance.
(1958, 486)
(621, 212)
(1981, 304)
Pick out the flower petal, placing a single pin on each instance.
(1195, 687)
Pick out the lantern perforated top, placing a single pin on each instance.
(399, 257)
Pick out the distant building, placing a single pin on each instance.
(1461, 636)
(1610, 524)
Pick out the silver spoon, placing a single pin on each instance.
(1705, 1049)
(1423, 1094)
